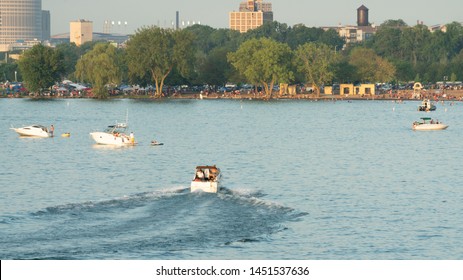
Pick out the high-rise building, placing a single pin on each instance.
(46, 25)
(252, 14)
(20, 22)
(81, 31)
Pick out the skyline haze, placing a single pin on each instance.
(139, 13)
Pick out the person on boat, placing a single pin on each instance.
(206, 174)
(52, 130)
(132, 138)
(199, 175)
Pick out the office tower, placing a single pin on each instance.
(20, 22)
(252, 14)
(81, 31)
(46, 25)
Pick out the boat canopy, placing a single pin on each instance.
(206, 167)
(118, 128)
(426, 119)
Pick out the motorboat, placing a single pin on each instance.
(35, 130)
(114, 135)
(428, 124)
(156, 143)
(426, 105)
(206, 179)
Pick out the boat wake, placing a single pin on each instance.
(146, 226)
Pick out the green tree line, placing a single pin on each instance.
(274, 53)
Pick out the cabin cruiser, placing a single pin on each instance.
(33, 131)
(114, 135)
(426, 105)
(428, 124)
(206, 179)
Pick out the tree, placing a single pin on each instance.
(154, 52)
(371, 67)
(263, 62)
(317, 62)
(457, 66)
(413, 42)
(271, 29)
(7, 72)
(300, 34)
(41, 67)
(99, 67)
(385, 42)
(71, 55)
(454, 38)
(215, 68)
(394, 23)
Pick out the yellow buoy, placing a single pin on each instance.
(67, 134)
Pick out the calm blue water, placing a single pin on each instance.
(302, 180)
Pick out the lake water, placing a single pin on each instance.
(302, 180)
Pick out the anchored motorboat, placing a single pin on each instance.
(206, 179)
(114, 135)
(35, 130)
(426, 105)
(428, 124)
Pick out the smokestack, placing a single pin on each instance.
(177, 20)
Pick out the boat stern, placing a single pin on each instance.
(202, 186)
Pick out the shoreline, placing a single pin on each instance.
(450, 95)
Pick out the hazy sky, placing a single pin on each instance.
(138, 13)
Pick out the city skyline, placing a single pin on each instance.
(127, 16)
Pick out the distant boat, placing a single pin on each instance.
(206, 179)
(114, 135)
(156, 143)
(426, 105)
(33, 131)
(428, 124)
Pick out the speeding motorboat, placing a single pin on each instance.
(427, 105)
(35, 130)
(114, 135)
(428, 124)
(206, 179)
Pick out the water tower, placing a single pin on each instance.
(362, 16)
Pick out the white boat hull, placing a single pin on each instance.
(103, 138)
(31, 132)
(205, 186)
(430, 126)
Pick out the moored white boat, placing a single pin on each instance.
(35, 130)
(426, 105)
(428, 124)
(114, 135)
(206, 179)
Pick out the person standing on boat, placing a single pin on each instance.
(132, 138)
(52, 130)
(206, 174)
(200, 175)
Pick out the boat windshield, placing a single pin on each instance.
(118, 128)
